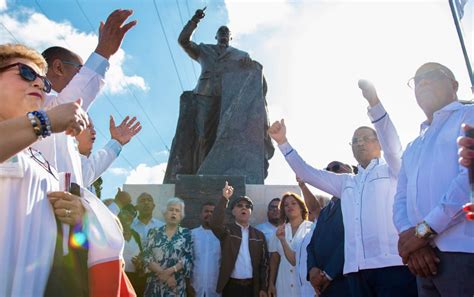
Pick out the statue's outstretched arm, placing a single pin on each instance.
(184, 39)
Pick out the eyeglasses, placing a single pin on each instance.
(364, 139)
(435, 74)
(28, 74)
(240, 205)
(77, 65)
(273, 207)
(38, 157)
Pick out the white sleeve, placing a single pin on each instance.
(98, 162)
(388, 138)
(86, 84)
(324, 180)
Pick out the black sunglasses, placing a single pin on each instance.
(28, 74)
(38, 157)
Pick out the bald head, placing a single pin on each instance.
(435, 87)
(63, 64)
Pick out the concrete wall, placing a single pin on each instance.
(260, 194)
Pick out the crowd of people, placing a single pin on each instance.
(397, 225)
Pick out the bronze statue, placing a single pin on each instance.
(218, 63)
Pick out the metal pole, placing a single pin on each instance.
(461, 40)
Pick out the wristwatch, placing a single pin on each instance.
(424, 231)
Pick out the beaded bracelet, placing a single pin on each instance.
(34, 122)
(45, 122)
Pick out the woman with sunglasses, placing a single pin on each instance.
(282, 247)
(28, 226)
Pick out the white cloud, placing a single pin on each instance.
(144, 174)
(314, 52)
(3, 5)
(37, 31)
(118, 171)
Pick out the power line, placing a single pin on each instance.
(168, 44)
(46, 15)
(126, 86)
(11, 34)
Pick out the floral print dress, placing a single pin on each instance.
(167, 252)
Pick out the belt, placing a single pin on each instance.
(241, 282)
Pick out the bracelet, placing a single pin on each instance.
(174, 268)
(35, 123)
(45, 122)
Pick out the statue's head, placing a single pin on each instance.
(223, 35)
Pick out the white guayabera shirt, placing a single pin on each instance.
(370, 237)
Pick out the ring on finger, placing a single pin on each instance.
(68, 213)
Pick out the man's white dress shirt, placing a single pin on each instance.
(243, 263)
(268, 229)
(60, 149)
(370, 237)
(143, 229)
(99, 161)
(432, 186)
(207, 259)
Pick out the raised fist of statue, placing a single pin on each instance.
(199, 14)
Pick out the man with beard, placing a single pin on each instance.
(273, 214)
(207, 255)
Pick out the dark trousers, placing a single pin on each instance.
(233, 289)
(339, 287)
(455, 276)
(392, 281)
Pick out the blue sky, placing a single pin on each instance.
(313, 53)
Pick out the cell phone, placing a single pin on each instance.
(74, 189)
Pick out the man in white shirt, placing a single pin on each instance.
(244, 266)
(372, 264)
(435, 239)
(273, 214)
(93, 165)
(72, 79)
(145, 220)
(207, 255)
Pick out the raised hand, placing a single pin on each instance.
(280, 232)
(227, 191)
(125, 131)
(277, 131)
(199, 14)
(369, 92)
(69, 118)
(112, 32)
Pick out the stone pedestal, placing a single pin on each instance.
(260, 194)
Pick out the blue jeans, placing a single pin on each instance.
(394, 281)
(455, 276)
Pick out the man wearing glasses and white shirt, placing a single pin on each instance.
(207, 255)
(436, 241)
(372, 264)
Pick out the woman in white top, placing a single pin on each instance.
(282, 247)
(28, 226)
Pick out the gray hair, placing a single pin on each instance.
(174, 201)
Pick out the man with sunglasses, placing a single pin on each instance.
(72, 79)
(436, 241)
(371, 262)
(244, 264)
